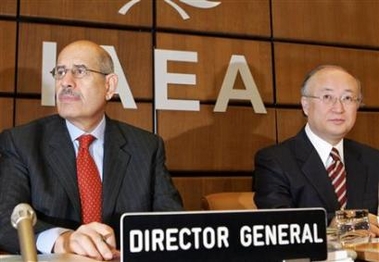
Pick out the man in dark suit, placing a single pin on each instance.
(38, 163)
(294, 173)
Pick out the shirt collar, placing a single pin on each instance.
(76, 132)
(322, 147)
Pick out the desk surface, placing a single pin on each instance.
(53, 258)
(368, 252)
(365, 252)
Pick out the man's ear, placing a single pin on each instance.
(305, 105)
(110, 85)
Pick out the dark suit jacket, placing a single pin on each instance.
(37, 166)
(291, 175)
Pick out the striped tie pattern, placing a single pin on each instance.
(337, 174)
(89, 182)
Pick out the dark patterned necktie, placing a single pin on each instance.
(89, 182)
(337, 175)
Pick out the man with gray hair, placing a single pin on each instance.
(319, 167)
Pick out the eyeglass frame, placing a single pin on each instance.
(329, 99)
(75, 67)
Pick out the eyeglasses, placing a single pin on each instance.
(329, 100)
(78, 71)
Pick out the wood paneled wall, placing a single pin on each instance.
(207, 152)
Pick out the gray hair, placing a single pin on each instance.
(106, 62)
(304, 86)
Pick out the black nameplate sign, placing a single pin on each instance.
(258, 235)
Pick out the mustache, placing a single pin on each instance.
(68, 91)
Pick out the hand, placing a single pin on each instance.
(94, 240)
(374, 225)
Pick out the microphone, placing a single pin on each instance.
(23, 218)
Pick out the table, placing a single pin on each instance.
(368, 252)
(53, 258)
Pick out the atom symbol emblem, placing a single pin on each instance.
(204, 4)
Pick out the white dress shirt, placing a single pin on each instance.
(323, 148)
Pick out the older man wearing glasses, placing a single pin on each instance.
(319, 167)
(81, 170)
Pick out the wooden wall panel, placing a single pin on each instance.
(209, 141)
(133, 50)
(8, 55)
(99, 11)
(294, 61)
(193, 188)
(229, 17)
(366, 129)
(290, 121)
(141, 117)
(30, 109)
(339, 21)
(8, 7)
(6, 113)
(214, 54)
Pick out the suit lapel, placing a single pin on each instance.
(314, 170)
(116, 160)
(356, 175)
(61, 158)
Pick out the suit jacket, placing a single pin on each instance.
(38, 166)
(291, 174)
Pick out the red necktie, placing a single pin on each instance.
(88, 181)
(337, 175)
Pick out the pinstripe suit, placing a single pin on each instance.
(37, 166)
(292, 174)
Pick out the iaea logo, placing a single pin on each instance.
(205, 4)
